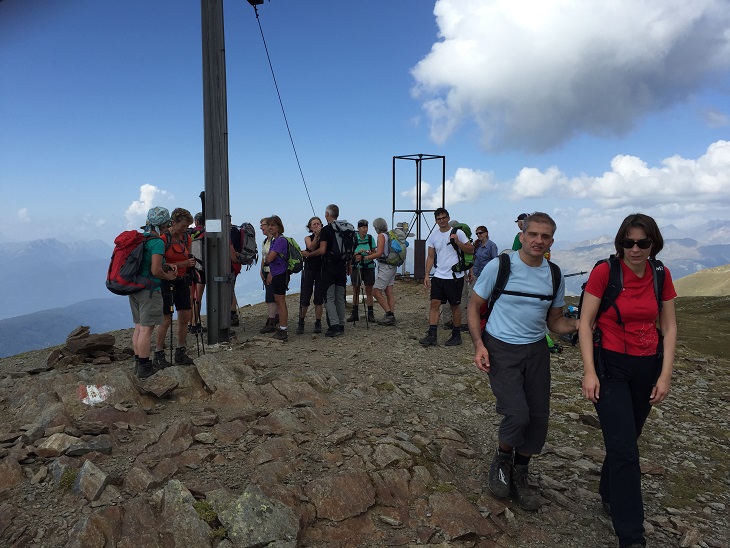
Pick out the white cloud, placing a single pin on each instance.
(715, 118)
(23, 215)
(679, 185)
(533, 73)
(149, 197)
(467, 185)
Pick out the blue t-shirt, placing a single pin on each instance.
(482, 255)
(516, 319)
(281, 246)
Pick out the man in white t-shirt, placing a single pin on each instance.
(446, 285)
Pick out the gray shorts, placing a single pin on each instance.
(146, 307)
(386, 275)
(520, 379)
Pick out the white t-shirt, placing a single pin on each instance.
(446, 256)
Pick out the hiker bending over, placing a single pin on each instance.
(363, 272)
(278, 277)
(512, 350)
(631, 369)
(147, 305)
(447, 285)
(177, 292)
(383, 290)
(311, 278)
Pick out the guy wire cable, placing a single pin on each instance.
(273, 76)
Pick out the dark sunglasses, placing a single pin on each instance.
(480, 233)
(643, 244)
(442, 218)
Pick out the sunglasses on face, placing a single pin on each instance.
(643, 244)
(480, 233)
(441, 218)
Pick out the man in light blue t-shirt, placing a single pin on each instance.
(513, 350)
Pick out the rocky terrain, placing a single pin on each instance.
(362, 440)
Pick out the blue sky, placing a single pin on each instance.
(586, 111)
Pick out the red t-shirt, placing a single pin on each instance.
(177, 252)
(639, 312)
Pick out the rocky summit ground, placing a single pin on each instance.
(362, 440)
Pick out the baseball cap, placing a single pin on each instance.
(521, 216)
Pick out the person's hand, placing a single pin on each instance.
(591, 387)
(659, 392)
(269, 278)
(481, 359)
(427, 282)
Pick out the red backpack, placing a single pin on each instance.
(123, 277)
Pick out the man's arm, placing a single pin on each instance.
(558, 323)
(481, 356)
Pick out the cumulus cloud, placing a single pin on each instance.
(23, 215)
(677, 185)
(149, 196)
(467, 184)
(533, 73)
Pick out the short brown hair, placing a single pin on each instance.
(276, 220)
(181, 214)
(538, 217)
(645, 223)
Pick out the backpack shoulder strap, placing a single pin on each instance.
(659, 274)
(502, 277)
(556, 274)
(613, 288)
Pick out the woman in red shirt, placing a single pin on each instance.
(634, 374)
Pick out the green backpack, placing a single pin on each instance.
(466, 260)
(294, 258)
(397, 247)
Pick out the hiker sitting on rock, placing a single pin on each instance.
(147, 305)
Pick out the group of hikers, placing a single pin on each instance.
(626, 331)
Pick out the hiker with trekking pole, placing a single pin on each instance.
(628, 337)
(363, 274)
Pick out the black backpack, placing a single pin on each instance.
(344, 242)
(501, 282)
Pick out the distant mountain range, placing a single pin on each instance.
(55, 286)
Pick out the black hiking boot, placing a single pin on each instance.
(159, 361)
(371, 316)
(300, 326)
(317, 326)
(455, 339)
(430, 339)
(182, 358)
(335, 331)
(524, 494)
(354, 316)
(145, 369)
(500, 474)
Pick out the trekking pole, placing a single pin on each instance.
(363, 298)
(574, 274)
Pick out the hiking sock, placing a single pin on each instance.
(456, 331)
(282, 327)
(523, 460)
(503, 452)
(432, 328)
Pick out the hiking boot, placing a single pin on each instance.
(388, 319)
(454, 340)
(235, 322)
(335, 331)
(194, 329)
(145, 370)
(500, 474)
(354, 316)
(182, 358)
(281, 335)
(269, 326)
(525, 496)
(159, 361)
(449, 325)
(300, 326)
(430, 339)
(371, 316)
(317, 326)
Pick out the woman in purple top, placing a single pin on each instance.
(278, 277)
